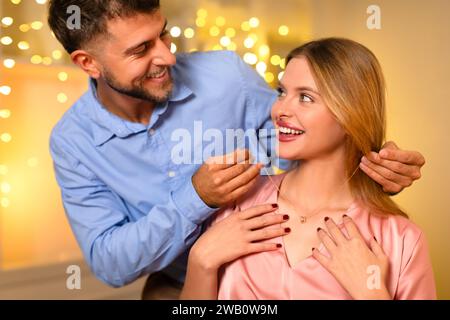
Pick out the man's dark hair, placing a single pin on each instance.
(94, 17)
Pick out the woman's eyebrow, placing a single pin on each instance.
(306, 88)
(301, 88)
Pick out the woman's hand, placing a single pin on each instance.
(238, 235)
(352, 263)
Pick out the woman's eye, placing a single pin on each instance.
(281, 93)
(305, 98)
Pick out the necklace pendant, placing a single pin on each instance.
(302, 219)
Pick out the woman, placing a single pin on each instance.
(332, 233)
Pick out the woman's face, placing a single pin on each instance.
(306, 129)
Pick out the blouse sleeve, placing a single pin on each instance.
(416, 280)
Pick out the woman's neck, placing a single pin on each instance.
(319, 183)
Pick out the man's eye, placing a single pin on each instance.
(305, 98)
(164, 34)
(142, 49)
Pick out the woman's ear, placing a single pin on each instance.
(86, 62)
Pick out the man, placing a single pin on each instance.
(133, 209)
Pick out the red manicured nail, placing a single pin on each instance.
(313, 249)
(274, 205)
(287, 230)
(345, 216)
(286, 217)
(279, 245)
(318, 229)
(326, 219)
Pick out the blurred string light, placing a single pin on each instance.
(189, 33)
(283, 30)
(9, 63)
(173, 47)
(220, 21)
(5, 137)
(175, 31)
(63, 76)
(7, 21)
(23, 45)
(225, 34)
(62, 97)
(5, 113)
(6, 40)
(254, 22)
(5, 90)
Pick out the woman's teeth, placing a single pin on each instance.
(290, 131)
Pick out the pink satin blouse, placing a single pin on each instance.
(268, 275)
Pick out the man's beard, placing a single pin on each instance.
(139, 91)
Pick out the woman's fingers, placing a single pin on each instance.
(326, 240)
(351, 227)
(376, 248)
(323, 260)
(265, 221)
(263, 246)
(257, 211)
(267, 233)
(334, 231)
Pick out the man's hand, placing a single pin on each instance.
(221, 180)
(392, 168)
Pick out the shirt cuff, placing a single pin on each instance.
(189, 203)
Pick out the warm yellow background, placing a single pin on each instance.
(413, 47)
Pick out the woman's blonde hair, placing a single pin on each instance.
(351, 82)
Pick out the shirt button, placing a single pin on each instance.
(172, 174)
(151, 132)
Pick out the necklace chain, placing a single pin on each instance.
(303, 218)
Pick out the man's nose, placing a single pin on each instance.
(163, 56)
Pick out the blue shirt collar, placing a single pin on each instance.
(110, 125)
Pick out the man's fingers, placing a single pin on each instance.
(241, 180)
(234, 171)
(228, 160)
(388, 174)
(403, 169)
(239, 192)
(407, 157)
(390, 145)
(388, 186)
(258, 211)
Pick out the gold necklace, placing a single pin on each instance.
(303, 218)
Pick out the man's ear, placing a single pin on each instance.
(86, 62)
